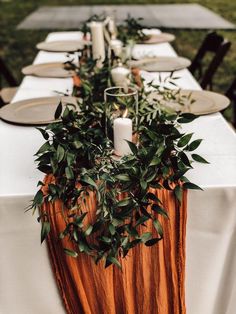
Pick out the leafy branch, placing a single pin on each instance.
(80, 158)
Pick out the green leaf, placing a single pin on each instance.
(199, 159)
(79, 219)
(54, 165)
(184, 159)
(184, 140)
(178, 193)
(151, 176)
(83, 247)
(186, 118)
(44, 133)
(58, 111)
(146, 236)
(145, 212)
(66, 113)
(53, 188)
(60, 153)
(44, 148)
(77, 144)
(69, 173)
(45, 169)
(158, 227)
(116, 222)
(125, 202)
(122, 177)
(89, 230)
(134, 243)
(178, 174)
(155, 161)
(70, 158)
(141, 220)
(166, 185)
(71, 253)
(152, 197)
(112, 229)
(38, 199)
(191, 186)
(159, 210)
(45, 229)
(75, 235)
(113, 260)
(143, 184)
(133, 147)
(88, 180)
(105, 239)
(152, 241)
(192, 146)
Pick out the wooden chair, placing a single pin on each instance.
(7, 93)
(231, 93)
(213, 43)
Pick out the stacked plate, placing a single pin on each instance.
(161, 64)
(36, 111)
(198, 102)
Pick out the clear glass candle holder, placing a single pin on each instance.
(121, 114)
(121, 102)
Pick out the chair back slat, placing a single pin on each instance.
(213, 44)
(214, 64)
(231, 94)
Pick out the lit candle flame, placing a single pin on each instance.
(125, 113)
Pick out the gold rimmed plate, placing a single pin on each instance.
(157, 39)
(198, 102)
(62, 45)
(53, 69)
(35, 111)
(161, 64)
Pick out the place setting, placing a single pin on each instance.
(153, 37)
(198, 102)
(36, 111)
(62, 45)
(160, 64)
(50, 69)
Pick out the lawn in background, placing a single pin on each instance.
(17, 47)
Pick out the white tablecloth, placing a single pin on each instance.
(26, 281)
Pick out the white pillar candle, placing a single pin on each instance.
(117, 46)
(122, 132)
(120, 76)
(98, 44)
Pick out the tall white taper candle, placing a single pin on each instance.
(122, 132)
(98, 44)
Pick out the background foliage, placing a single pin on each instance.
(17, 47)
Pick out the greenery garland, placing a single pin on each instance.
(80, 157)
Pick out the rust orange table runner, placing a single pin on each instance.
(151, 280)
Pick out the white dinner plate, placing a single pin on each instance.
(62, 45)
(161, 64)
(198, 102)
(53, 69)
(35, 111)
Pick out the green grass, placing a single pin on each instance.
(18, 46)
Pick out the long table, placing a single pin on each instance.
(26, 281)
